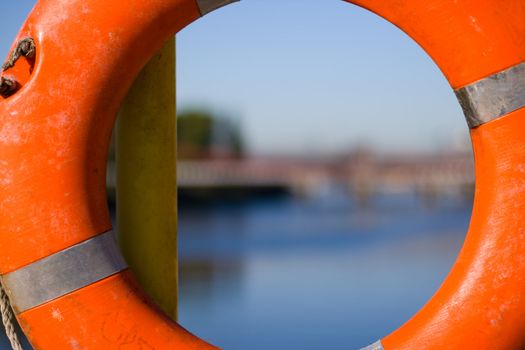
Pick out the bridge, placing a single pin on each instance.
(439, 173)
(361, 174)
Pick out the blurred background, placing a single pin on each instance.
(325, 174)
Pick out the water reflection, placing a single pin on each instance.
(313, 274)
(324, 273)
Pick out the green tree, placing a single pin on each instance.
(202, 135)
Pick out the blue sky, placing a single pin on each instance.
(308, 76)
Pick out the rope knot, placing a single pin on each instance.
(25, 47)
(7, 87)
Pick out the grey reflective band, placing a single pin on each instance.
(376, 346)
(63, 272)
(494, 96)
(207, 6)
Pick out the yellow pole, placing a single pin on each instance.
(146, 179)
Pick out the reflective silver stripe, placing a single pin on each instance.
(376, 346)
(64, 272)
(207, 6)
(494, 96)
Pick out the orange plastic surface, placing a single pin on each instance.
(468, 39)
(54, 132)
(481, 304)
(110, 314)
(54, 136)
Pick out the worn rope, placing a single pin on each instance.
(7, 320)
(7, 87)
(25, 47)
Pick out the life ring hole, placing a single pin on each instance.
(348, 200)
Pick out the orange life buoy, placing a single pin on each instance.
(64, 275)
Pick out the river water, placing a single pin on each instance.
(313, 273)
(323, 273)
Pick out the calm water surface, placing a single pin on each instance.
(312, 274)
